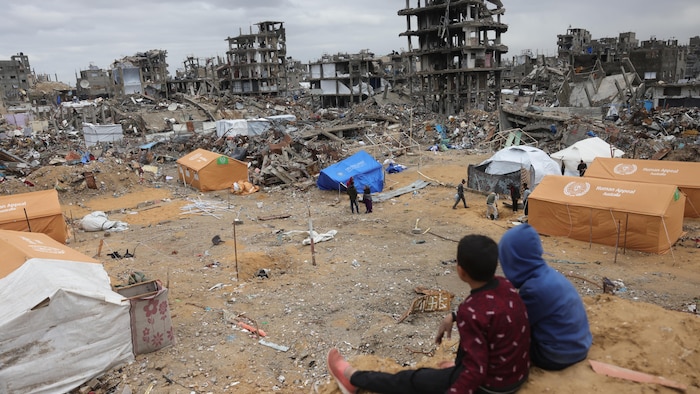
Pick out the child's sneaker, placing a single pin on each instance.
(336, 365)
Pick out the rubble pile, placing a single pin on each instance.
(292, 152)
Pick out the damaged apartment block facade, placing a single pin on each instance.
(344, 79)
(458, 56)
(15, 78)
(258, 61)
(143, 73)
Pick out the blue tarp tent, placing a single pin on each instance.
(364, 169)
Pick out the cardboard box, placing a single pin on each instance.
(143, 289)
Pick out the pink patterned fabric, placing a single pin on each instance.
(151, 327)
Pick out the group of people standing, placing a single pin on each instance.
(491, 199)
(366, 197)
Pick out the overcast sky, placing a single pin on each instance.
(63, 37)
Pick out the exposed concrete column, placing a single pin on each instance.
(470, 83)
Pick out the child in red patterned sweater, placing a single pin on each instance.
(493, 356)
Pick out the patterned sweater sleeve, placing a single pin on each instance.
(473, 342)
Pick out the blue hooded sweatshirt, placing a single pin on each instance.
(558, 320)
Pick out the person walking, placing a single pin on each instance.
(460, 195)
(494, 338)
(352, 193)
(515, 196)
(367, 199)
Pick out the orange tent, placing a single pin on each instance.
(19, 247)
(208, 171)
(638, 216)
(683, 174)
(38, 212)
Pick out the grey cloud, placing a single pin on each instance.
(64, 36)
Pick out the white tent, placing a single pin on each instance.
(234, 127)
(514, 158)
(60, 322)
(98, 133)
(587, 150)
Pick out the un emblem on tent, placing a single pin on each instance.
(625, 169)
(577, 189)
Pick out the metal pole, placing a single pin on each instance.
(624, 244)
(410, 127)
(27, 218)
(72, 224)
(235, 248)
(311, 237)
(617, 240)
(590, 230)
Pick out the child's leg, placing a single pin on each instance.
(419, 381)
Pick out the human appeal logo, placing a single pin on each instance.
(625, 169)
(577, 189)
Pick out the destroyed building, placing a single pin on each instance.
(296, 73)
(574, 42)
(653, 59)
(459, 50)
(143, 73)
(693, 60)
(257, 61)
(344, 79)
(197, 77)
(395, 67)
(93, 83)
(15, 78)
(676, 95)
(660, 60)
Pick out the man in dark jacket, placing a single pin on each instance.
(515, 196)
(582, 167)
(460, 195)
(558, 323)
(352, 194)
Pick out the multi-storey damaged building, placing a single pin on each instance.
(575, 42)
(660, 60)
(15, 78)
(653, 59)
(693, 60)
(197, 77)
(94, 82)
(143, 73)
(257, 61)
(459, 52)
(344, 79)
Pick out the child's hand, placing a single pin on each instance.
(445, 329)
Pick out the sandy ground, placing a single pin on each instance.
(363, 280)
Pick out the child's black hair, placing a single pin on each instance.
(478, 256)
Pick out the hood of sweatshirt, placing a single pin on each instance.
(520, 253)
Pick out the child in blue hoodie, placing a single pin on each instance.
(558, 323)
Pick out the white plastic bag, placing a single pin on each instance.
(98, 221)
